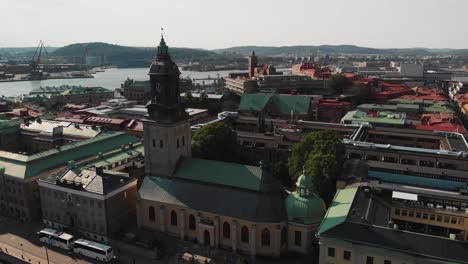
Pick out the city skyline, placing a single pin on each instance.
(209, 25)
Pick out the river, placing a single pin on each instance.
(111, 79)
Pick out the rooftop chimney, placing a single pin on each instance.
(100, 170)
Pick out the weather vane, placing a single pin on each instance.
(162, 32)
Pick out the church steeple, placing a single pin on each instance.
(167, 134)
(252, 64)
(163, 49)
(165, 105)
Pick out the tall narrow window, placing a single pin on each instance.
(298, 238)
(192, 222)
(154, 143)
(161, 145)
(245, 234)
(226, 230)
(183, 140)
(178, 144)
(151, 214)
(265, 237)
(173, 218)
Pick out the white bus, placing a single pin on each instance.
(93, 250)
(56, 238)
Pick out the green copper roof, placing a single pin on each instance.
(10, 126)
(22, 166)
(223, 173)
(117, 155)
(254, 102)
(305, 210)
(138, 83)
(339, 209)
(385, 118)
(304, 181)
(292, 103)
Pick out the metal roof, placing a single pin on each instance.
(221, 200)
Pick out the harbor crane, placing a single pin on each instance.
(36, 68)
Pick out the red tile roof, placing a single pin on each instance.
(441, 122)
(427, 93)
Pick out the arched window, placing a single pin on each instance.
(226, 230)
(173, 218)
(265, 237)
(245, 234)
(284, 236)
(191, 222)
(151, 214)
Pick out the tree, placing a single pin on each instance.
(215, 142)
(323, 168)
(189, 96)
(321, 154)
(361, 93)
(338, 83)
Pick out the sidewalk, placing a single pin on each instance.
(20, 255)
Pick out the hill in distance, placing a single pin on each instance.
(338, 49)
(125, 56)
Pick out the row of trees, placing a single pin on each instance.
(320, 154)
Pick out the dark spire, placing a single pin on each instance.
(163, 49)
(253, 53)
(165, 105)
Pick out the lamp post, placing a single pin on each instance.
(22, 250)
(47, 254)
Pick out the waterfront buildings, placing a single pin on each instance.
(136, 90)
(51, 96)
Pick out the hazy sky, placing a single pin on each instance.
(220, 23)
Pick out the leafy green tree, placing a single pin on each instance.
(338, 83)
(323, 168)
(279, 170)
(322, 155)
(215, 142)
(361, 93)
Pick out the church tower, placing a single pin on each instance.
(252, 64)
(167, 134)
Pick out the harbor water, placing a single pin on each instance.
(110, 78)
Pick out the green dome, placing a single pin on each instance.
(305, 210)
(304, 181)
(303, 206)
